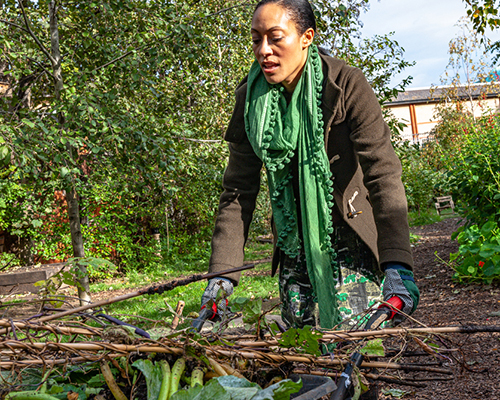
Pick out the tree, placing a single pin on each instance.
(484, 14)
(123, 103)
(468, 66)
(78, 120)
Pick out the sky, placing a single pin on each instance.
(423, 28)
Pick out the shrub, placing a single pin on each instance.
(478, 257)
(419, 178)
(473, 169)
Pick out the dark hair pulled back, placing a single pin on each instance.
(300, 12)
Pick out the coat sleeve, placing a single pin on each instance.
(241, 184)
(381, 168)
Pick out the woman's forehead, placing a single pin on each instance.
(271, 17)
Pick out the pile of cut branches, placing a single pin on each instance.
(265, 360)
(72, 354)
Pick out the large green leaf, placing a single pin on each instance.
(373, 347)
(153, 374)
(233, 388)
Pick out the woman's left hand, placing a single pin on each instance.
(400, 282)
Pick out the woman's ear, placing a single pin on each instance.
(307, 38)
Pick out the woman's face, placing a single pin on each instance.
(278, 47)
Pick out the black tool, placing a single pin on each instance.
(381, 315)
(116, 321)
(345, 381)
(205, 313)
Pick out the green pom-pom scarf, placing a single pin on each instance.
(276, 131)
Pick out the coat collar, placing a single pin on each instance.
(332, 93)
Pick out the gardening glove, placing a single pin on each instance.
(400, 285)
(215, 297)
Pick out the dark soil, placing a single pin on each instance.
(446, 303)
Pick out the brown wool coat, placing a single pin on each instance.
(366, 173)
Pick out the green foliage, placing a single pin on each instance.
(70, 275)
(8, 260)
(474, 169)
(395, 393)
(233, 388)
(478, 257)
(303, 340)
(251, 309)
(135, 120)
(419, 177)
(484, 14)
(374, 348)
(423, 217)
(153, 374)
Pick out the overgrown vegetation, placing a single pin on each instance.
(112, 116)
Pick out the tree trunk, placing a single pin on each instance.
(77, 243)
(71, 193)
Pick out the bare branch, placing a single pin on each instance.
(242, 4)
(118, 58)
(14, 25)
(32, 34)
(42, 67)
(197, 140)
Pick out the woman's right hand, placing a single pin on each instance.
(215, 296)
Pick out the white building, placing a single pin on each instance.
(417, 107)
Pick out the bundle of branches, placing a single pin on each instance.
(406, 356)
(302, 351)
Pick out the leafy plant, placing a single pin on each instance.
(474, 169)
(420, 178)
(232, 388)
(8, 260)
(251, 309)
(49, 288)
(303, 340)
(478, 257)
(374, 348)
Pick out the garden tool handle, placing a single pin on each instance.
(205, 313)
(116, 321)
(384, 313)
(345, 380)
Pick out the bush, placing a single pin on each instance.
(473, 168)
(419, 177)
(478, 257)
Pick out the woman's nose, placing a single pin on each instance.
(265, 48)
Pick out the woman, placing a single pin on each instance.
(339, 208)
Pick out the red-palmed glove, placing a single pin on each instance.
(215, 296)
(400, 290)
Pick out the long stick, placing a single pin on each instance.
(150, 290)
(331, 336)
(270, 357)
(384, 378)
(59, 361)
(60, 330)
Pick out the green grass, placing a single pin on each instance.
(158, 307)
(429, 216)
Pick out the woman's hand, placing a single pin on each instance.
(399, 282)
(215, 296)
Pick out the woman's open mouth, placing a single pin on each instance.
(269, 67)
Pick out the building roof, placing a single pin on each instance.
(436, 94)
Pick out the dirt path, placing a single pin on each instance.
(446, 303)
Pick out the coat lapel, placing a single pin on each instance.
(331, 96)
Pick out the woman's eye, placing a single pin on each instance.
(276, 39)
(255, 41)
